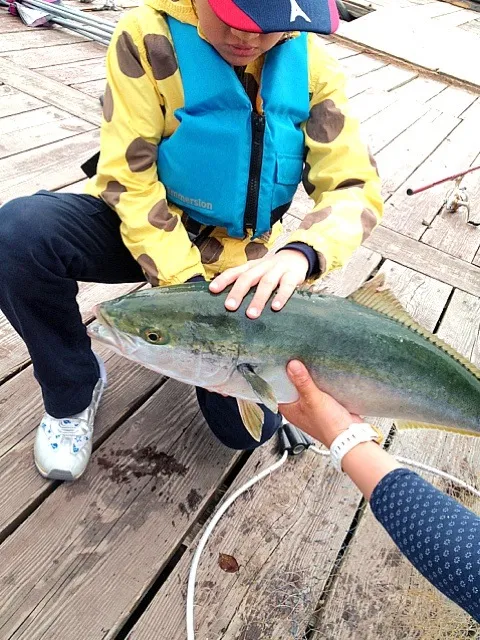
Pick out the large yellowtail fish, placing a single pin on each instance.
(364, 350)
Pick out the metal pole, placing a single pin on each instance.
(70, 14)
(101, 36)
(74, 12)
(412, 192)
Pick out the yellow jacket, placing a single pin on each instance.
(144, 89)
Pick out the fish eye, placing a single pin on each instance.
(154, 336)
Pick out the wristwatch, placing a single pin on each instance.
(348, 439)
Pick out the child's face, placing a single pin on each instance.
(238, 48)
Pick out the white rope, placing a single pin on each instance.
(204, 539)
(438, 472)
(424, 467)
(263, 474)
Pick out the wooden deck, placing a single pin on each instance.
(107, 557)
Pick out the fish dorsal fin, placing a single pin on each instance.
(376, 295)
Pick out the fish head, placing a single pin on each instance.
(164, 330)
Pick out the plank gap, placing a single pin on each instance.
(124, 632)
(444, 311)
(312, 628)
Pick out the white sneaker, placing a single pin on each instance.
(63, 445)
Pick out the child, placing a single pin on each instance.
(213, 114)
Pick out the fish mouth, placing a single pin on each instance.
(104, 331)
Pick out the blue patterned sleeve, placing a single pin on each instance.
(439, 536)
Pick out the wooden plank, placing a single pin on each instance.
(13, 101)
(473, 112)
(370, 102)
(11, 24)
(14, 354)
(391, 122)
(112, 533)
(340, 51)
(77, 72)
(50, 91)
(46, 57)
(76, 187)
(409, 214)
(476, 260)
(377, 593)
(404, 155)
(362, 64)
(454, 100)
(431, 10)
(425, 259)
(420, 89)
(49, 167)
(37, 38)
(93, 88)
(386, 78)
(37, 128)
(385, 30)
(422, 296)
(456, 19)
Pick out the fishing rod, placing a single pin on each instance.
(412, 192)
(457, 196)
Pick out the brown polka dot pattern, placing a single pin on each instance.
(352, 182)
(113, 191)
(255, 250)
(369, 222)
(141, 155)
(307, 185)
(210, 250)
(108, 104)
(149, 269)
(160, 55)
(314, 217)
(326, 122)
(161, 218)
(128, 56)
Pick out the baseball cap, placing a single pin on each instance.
(266, 16)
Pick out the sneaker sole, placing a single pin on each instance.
(57, 474)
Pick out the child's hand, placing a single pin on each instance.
(285, 270)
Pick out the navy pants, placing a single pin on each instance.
(48, 241)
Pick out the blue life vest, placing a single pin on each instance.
(226, 165)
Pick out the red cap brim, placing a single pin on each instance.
(229, 13)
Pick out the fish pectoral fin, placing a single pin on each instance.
(405, 424)
(252, 418)
(261, 388)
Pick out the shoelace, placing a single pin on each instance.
(73, 426)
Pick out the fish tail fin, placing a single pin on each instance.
(403, 425)
(252, 418)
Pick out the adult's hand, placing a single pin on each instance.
(315, 412)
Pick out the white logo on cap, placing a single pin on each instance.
(296, 12)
